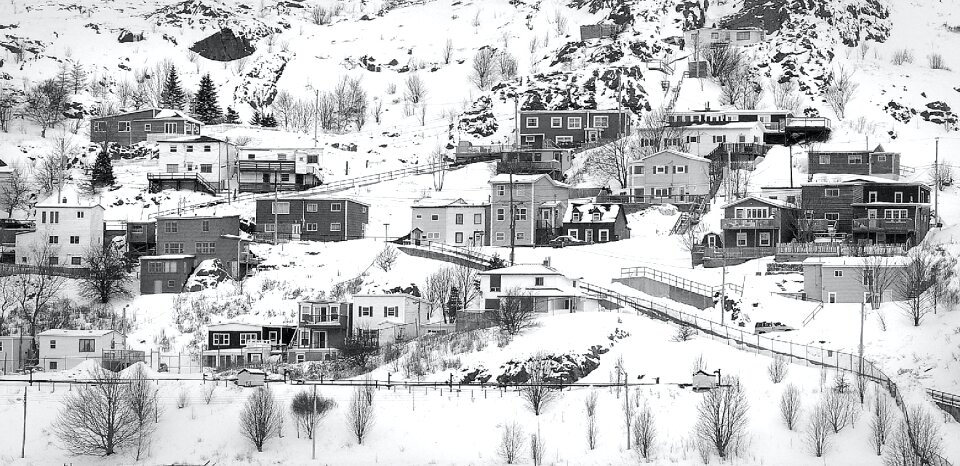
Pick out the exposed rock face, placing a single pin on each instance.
(223, 45)
(208, 274)
(126, 36)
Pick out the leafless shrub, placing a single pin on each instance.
(722, 417)
(684, 332)
(141, 396)
(560, 23)
(902, 56)
(96, 418)
(790, 406)
(416, 90)
(515, 313)
(534, 45)
(882, 421)
(208, 391)
(484, 71)
(538, 449)
(777, 370)
(391, 88)
(839, 409)
(818, 431)
(860, 383)
(538, 393)
(183, 398)
(360, 417)
(917, 442)
(507, 64)
(261, 418)
(319, 15)
(917, 278)
(376, 111)
(786, 95)
(590, 403)
(644, 432)
(936, 62)
(308, 410)
(699, 364)
(840, 91)
(386, 258)
(511, 443)
(447, 53)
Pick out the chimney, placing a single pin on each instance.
(546, 261)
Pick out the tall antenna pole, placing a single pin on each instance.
(936, 189)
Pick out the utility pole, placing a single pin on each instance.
(23, 441)
(386, 235)
(626, 403)
(276, 205)
(316, 115)
(313, 421)
(513, 222)
(936, 174)
(863, 315)
(516, 122)
(791, 164)
(723, 290)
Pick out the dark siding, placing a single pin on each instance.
(618, 125)
(147, 279)
(190, 232)
(358, 218)
(112, 135)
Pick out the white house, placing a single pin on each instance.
(706, 37)
(388, 317)
(549, 290)
(13, 352)
(251, 377)
(669, 176)
(211, 159)
(266, 169)
(703, 139)
(454, 222)
(64, 349)
(68, 225)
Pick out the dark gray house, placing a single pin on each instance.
(571, 128)
(311, 219)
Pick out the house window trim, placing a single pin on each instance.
(531, 122)
(556, 122)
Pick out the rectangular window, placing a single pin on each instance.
(501, 214)
(435, 217)
(53, 344)
(75, 260)
(529, 139)
(123, 126)
(838, 273)
(564, 140)
(280, 208)
(391, 311)
(604, 236)
(520, 235)
(53, 365)
(659, 169)
(741, 239)
(170, 128)
(366, 311)
(55, 217)
(80, 214)
(601, 122)
(520, 213)
(170, 227)
(312, 207)
(831, 192)
(170, 267)
(155, 267)
(693, 139)
(43, 216)
(532, 122)
(575, 234)
(171, 284)
(53, 239)
(638, 169)
(284, 177)
(680, 168)
(765, 239)
(895, 213)
(743, 36)
(269, 227)
(854, 159)
(87, 345)
(458, 219)
(220, 339)
(311, 227)
(74, 240)
(824, 159)
(872, 196)
(458, 237)
(898, 197)
(501, 189)
(596, 216)
(245, 337)
(501, 236)
(477, 219)
(100, 126)
(206, 247)
(336, 207)
(334, 227)
(574, 123)
(206, 168)
(832, 216)
(881, 158)
(189, 148)
(173, 248)
(556, 122)
(206, 148)
(537, 281)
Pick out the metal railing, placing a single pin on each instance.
(738, 252)
(476, 257)
(887, 224)
(839, 250)
(184, 176)
(676, 280)
(812, 315)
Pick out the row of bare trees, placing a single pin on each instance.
(450, 289)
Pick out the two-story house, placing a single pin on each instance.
(454, 222)
(69, 224)
(388, 318)
(571, 128)
(780, 126)
(753, 226)
(166, 273)
(263, 170)
(239, 344)
(541, 286)
(538, 206)
(311, 219)
(141, 126)
(205, 237)
(849, 279)
(198, 163)
(61, 349)
(595, 222)
(548, 161)
(869, 211)
(876, 162)
(322, 329)
(669, 176)
(707, 37)
(141, 238)
(14, 352)
(9, 230)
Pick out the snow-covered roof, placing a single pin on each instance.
(69, 196)
(608, 212)
(548, 292)
(821, 179)
(253, 371)
(58, 332)
(848, 261)
(436, 202)
(388, 295)
(732, 110)
(193, 139)
(169, 257)
(526, 179)
(233, 326)
(728, 125)
(678, 154)
(829, 148)
(523, 269)
(765, 200)
(178, 114)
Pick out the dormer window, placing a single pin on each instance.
(596, 216)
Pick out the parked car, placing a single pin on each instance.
(565, 240)
(764, 327)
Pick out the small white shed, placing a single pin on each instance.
(704, 380)
(251, 378)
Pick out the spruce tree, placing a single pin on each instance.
(453, 304)
(172, 95)
(257, 119)
(102, 171)
(205, 105)
(232, 117)
(268, 121)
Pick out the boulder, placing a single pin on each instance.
(128, 36)
(208, 274)
(223, 45)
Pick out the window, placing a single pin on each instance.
(765, 239)
(169, 127)
(831, 297)
(824, 159)
(206, 168)
(838, 273)
(854, 159)
(680, 168)
(74, 240)
(573, 234)
(76, 261)
(206, 148)
(312, 207)
(170, 227)
(189, 148)
(743, 35)
(501, 215)
(831, 192)
(221, 339)
(53, 260)
(872, 213)
(336, 207)
(752, 212)
(123, 126)
(693, 139)
(881, 158)
(556, 122)
(458, 237)
(100, 126)
(872, 196)
(714, 35)
(596, 216)
(87, 345)
(564, 140)
(659, 169)
(251, 156)
(898, 197)
(832, 216)
(529, 139)
(269, 227)
(501, 236)
(601, 122)
(171, 283)
(207, 247)
(366, 311)
(501, 189)
(867, 277)
(520, 235)
(170, 267)
(246, 336)
(477, 219)
(638, 169)
(574, 123)
(53, 344)
(154, 267)
(173, 248)
(660, 192)
(719, 139)
(577, 216)
(458, 219)
(433, 235)
(604, 235)
(538, 281)
(895, 213)
(391, 311)
(313, 158)
(335, 227)
(284, 177)
(53, 240)
(532, 122)
(311, 227)
(520, 213)
(741, 239)
(53, 365)
(281, 208)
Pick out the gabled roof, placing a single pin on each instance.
(68, 196)
(828, 148)
(316, 198)
(233, 326)
(678, 154)
(525, 179)
(523, 269)
(725, 125)
(765, 200)
(609, 212)
(389, 295)
(169, 257)
(57, 332)
(252, 371)
(194, 139)
(433, 202)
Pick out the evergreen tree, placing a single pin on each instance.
(103, 171)
(172, 95)
(205, 105)
(453, 304)
(78, 77)
(232, 117)
(268, 121)
(257, 119)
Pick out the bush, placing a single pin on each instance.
(308, 410)
(790, 406)
(777, 370)
(97, 418)
(902, 56)
(722, 417)
(361, 415)
(261, 417)
(511, 442)
(818, 431)
(935, 60)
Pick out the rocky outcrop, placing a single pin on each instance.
(126, 36)
(223, 45)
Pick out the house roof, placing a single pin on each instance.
(233, 326)
(436, 202)
(548, 292)
(525, 179)
(765, 200)
(726, 125)
(69, 196)
(169, 257)
(317, 198)
(730, 110)
(196, 217)
(609, 212)
(828, 148)
(196, 139)
(848, 261)
(523, 269)
(389, 295)
(890, 204)
(821, 179)
(678, 154)
(574, 110)
(702, 372)
(252, 371)
(58, 332)
(178, 114)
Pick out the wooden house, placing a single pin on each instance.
(595, 222)
(145, 125)
(876, 162)
(251, 377)
(571, 128)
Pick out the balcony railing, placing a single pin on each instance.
(884, 224)
(739, 252)
(317, 320)
(750, 223)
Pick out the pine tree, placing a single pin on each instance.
(268, 121)
(78, 77)
(232, 117)
(205, 105)
(172, 95)
(102, 171)
(257, 119)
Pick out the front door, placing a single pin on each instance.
(158, 286)
(478, 238)
(318, 339)
(546, 218)
(588, 235)
(295, 232)
(592, 135)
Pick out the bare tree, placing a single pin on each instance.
(839, 409)
(45, 104)
(415, 90)
(912, 286)
(511, 443)
(10, 100)
(507, 65)
(16, 191)
(777, 370)
(108, 275)
(538, 449)
(722, 417)
(538, 392)
(386, 258)
(377, 110)
(142, 397)
(560, 23)
(260, 419)
(790, 406)
(438, 158)
(644, 432)
(50, 169)
(877, 276)
(882, 421)
(818, 431)
(515, 313)
(657, 134)
(840, 90)
(447, 53)
(484, 71)
(944, 291)
(308, 410)
(612, 160)
(436, 290)
(97, 419)
(724, 60)
(360, 416)
(37, 289)
(786, 95)
(208, 392)
(741, 89)
(684, 333)
(466, 279)
(283, 108)
(916, 442)
(319, 15)
(590, 402)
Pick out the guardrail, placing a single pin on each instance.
(676, 280)
(461, 253)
